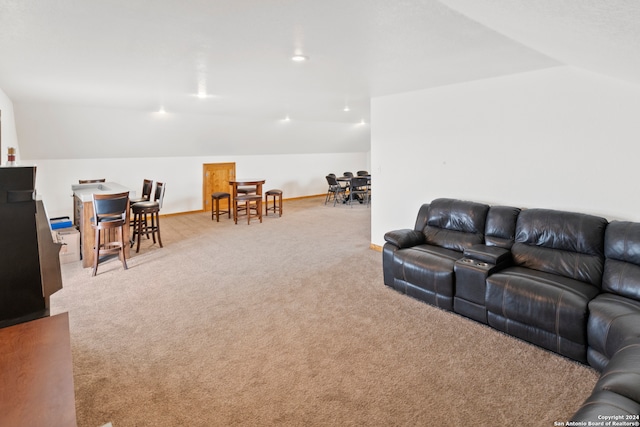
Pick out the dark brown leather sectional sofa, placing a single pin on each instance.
(566, 281)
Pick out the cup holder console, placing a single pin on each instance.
(473, 262)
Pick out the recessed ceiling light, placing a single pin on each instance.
(346, 108)
(299, 58)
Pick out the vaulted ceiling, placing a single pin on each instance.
(146, 55)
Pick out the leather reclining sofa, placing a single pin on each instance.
(568, 282)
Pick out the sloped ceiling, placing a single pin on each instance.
(601, 36)
(144, 55)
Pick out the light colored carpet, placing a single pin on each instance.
(288, 322)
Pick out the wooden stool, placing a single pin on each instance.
(215, 198)
(276, 208)
(247, 199)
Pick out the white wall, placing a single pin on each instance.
(60, 131)
(9, 137)
(560, 138)
(296, 175)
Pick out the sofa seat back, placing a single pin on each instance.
(500, 228)
(558, 262)
(622, 263)
(617, 392)
(614, 315)
(568, 244)
(455, 224)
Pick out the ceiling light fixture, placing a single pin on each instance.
(299, 58)
(346, 108)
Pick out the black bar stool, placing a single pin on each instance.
(141, 222)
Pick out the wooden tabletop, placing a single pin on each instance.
(36, 374)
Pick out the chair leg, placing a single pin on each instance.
(96, 253)
(235, 211)
(153, 227)
(122, 257)
(139, 230)
(158, 228)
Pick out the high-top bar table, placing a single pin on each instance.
(83, 212)
(248, 182)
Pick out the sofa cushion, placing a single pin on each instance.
(550, 309)
(622, 265)
(500, 229)
(622, 374)
(613, 321)
(455, 224)
(426, 272)
(565, 243)
(604, 403)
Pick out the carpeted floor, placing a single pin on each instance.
(288, 322)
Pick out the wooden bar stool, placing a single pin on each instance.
(215, 199)
(248, 200)
(277, 194)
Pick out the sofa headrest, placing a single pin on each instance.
(622, 264)
(566, 231)
(622, 241)
(458, 215)
(455, 224)
(500, 229)
(569, 244)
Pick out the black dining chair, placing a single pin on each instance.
(359, 190)
(335, 189)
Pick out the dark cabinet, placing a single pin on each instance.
(29, 260)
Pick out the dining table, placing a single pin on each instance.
(345, 181)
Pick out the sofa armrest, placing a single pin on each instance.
(404, 238)
(490, 254)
